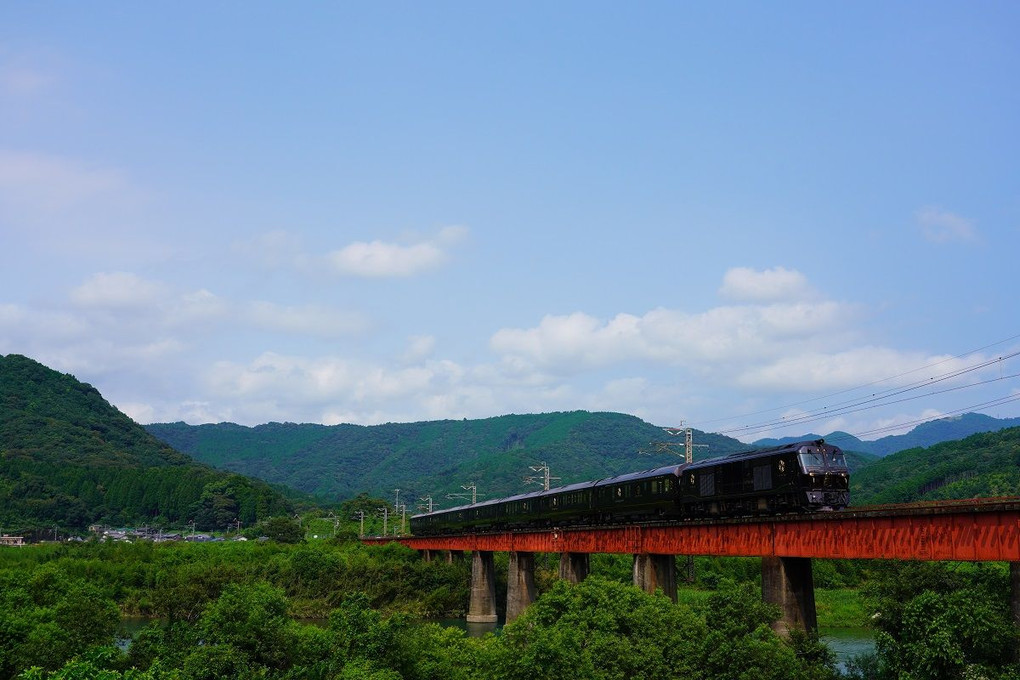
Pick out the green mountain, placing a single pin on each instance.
(982, 465)
(68, 458)
(439, 457)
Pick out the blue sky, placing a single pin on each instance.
(731, 214)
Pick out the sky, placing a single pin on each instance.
(760, 219)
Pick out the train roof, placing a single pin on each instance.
(792, 447)
(538, 493)
(643, 474)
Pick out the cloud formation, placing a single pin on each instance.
(376, 259)
(742, 284)
(379, 259)
(122, 290)
(44, 182)
(660, 365)
(942, 226)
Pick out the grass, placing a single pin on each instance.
(841, 608)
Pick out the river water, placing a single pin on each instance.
(847, 643)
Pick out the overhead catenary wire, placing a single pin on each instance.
(876, 399)
(885, 397)
(863, 386)
(966, 409)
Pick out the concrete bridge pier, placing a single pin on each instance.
(520, 584)
(574, 567)
(454, 556)
(652, 572)
(427, 555)
(482, 608)
(787, 582)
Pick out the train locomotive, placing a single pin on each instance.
(805, 476)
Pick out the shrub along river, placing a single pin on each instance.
(846, 643)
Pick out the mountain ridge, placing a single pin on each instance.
(926, 434)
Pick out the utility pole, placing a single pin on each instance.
(385, 518)
(336, 521)
(542, 469)
(668, 447)
(361, 516)
(688, 447)
(403, 518)
(427, 501)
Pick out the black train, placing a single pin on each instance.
(801, 477)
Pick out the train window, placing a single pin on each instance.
(809, 461)
(836, 458)
(707, 485)
(762, 477)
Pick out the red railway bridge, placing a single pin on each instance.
(975, 530)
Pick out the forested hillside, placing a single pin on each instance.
(982, 465)
(436, 457)
(68, 458)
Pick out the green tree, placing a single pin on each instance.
(940, 621)
(253, 620)
(281, 529)
(601, 630)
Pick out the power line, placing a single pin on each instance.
(892, 428)
(860, 387)
(877, 399)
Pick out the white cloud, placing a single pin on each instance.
(419, 347)
(408, 257)
(308, 320)
(378, 259)
(778, 284)
(722, 335)
(48, 183)
(122, 290)
(942, 226)
(329, 384)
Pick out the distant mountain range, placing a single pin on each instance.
(69, 458)
(925, 434)
(436, 458)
